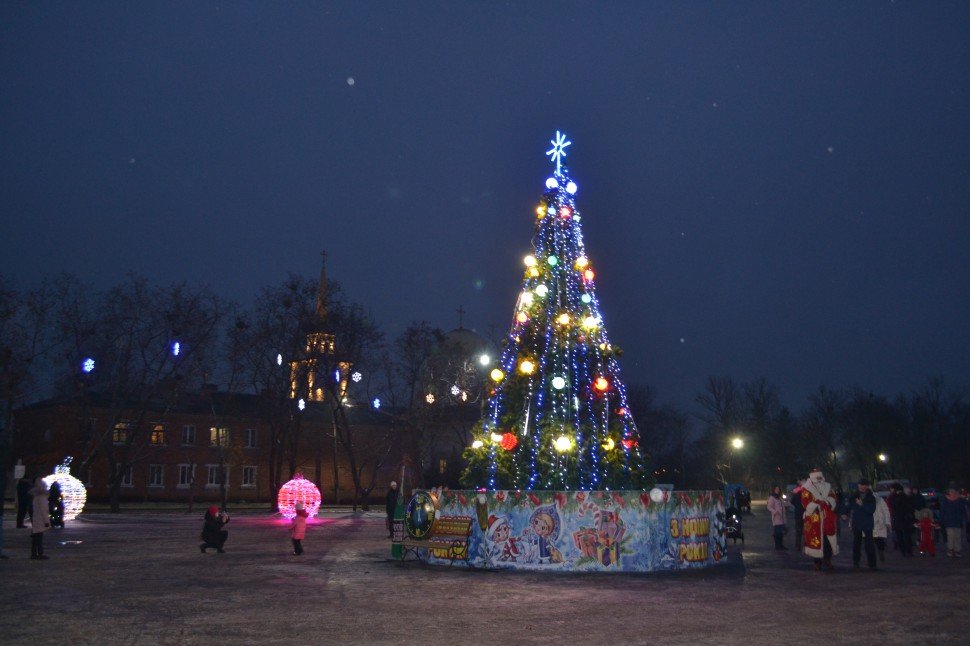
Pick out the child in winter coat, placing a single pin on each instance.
(926, 526)
(298, 529)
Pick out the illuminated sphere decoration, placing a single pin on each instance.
(477, 444)
(497, 375)
(298, 490)
(72, 489)
(552, 183)
(496, 437)
(558, 383)
(657, 494)
(601, 384)
(509, 441)
(571, 188)
(563, 444)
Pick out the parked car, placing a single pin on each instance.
(930, 494)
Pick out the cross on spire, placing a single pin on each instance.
(461, 317)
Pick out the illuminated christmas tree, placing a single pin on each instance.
(557, 416)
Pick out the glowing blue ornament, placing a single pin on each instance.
(552, 260)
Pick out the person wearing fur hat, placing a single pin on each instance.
(213, 534)
(298, 529)
(40, 520)
(820, 521)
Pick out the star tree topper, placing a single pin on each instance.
(558, 150)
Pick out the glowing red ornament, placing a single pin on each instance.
(621, 411)
(565, 212)
(509, 441)
(298, 490)
(629, 443)
(589, 275)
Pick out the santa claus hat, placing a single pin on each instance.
(494, 522)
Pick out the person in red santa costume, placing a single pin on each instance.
(820, 519)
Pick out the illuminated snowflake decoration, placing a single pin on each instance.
(464, 396)
(279, 359)
(176, 349)
(455, 390)
(376, 403)
(87, 365)
(429, 398)
(558, 150)
(301, 404)
(356, 377)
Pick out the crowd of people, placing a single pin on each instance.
(905, 517)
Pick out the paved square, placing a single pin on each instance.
(140, 578)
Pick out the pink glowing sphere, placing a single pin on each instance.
(298, 490)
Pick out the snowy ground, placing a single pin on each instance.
(139, 578)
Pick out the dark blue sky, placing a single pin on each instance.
(768, 189)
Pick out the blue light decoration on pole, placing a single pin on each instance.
(556, 387)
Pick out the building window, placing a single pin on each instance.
(215, 477)
(121, 433)
(158, 434)
(249, 477)
(126, 480)
(156, 474)
(250, 438)
(186, 475)
(218, 436)
(442, 466)
(188, 435)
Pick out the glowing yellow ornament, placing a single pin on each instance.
(496, 437)
(526, 367)
(609, 444)
(497, 375)
(581, 262)
(563, 444)
(541, 211)
(530, 261)
(477, 444)
(590, 322)
(533, 272)
(521, 317)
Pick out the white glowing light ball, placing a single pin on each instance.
(298, 490)
(657, 494)
(558, 383)
(571, 188)
(72, 489)
(477, 444)
(563, 444)
(552, 183)
(542, 290)
(484, 359)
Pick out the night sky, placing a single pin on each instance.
(767, 189)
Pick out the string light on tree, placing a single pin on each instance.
(73, 490)
(557, 381)
(298, 490)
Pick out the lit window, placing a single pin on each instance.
(126, 480)
(218, 436)
(122, 431)
(158, 434)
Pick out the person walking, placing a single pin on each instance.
(213, 534)
(23, 500)
(777, 507)
(882, 522)
(903, 519)
(390, 504)
(953, 517)
(40, 521)
(820, 520)
(860, 510)
(298, 529)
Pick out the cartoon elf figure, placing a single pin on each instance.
(545, 526)
(502, 546)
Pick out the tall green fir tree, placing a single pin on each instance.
(557, 415)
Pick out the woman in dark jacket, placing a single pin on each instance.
(213, 533)
(904, 517)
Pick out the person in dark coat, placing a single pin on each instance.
(390, 504)
(904, 517)
(796, 503)
(213, 533)
(55, 505)
(860, 508)
(23, 500)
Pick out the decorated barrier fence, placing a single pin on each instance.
(603, 531)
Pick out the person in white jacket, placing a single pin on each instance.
(882, 523)
(40, 520)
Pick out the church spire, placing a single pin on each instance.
(322, 290)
